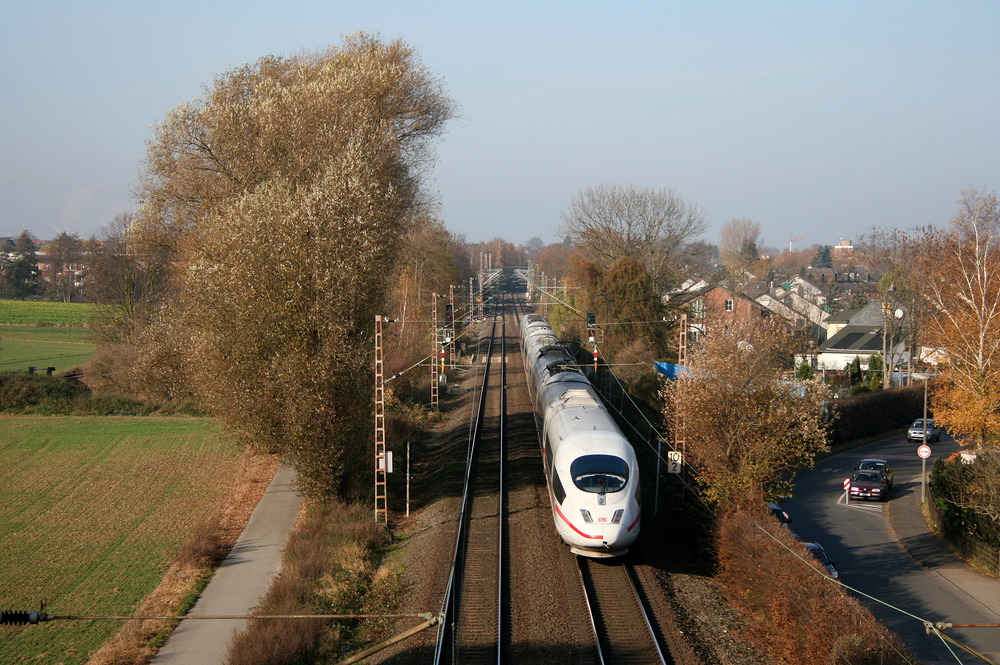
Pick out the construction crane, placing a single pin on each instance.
(791, 240)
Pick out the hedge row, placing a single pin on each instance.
(872, 413)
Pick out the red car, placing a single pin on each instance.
(869, 485)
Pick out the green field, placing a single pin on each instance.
(44, 334)
(31, 313)
(91, 511)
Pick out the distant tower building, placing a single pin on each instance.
(844, 246)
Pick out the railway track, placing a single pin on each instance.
(622, 628)
(481, 625)
(474, 628)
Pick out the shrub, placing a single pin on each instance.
(24, 393)
(795, 610)
(31, 393)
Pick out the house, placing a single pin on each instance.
(851, 342)
(871, 315)
(858, 334)
(796, 304)
(716, 307)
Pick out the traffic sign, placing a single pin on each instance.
(847, 483)
(924, 451)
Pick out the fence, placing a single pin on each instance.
(979, 554)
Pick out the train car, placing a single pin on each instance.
(591, 469)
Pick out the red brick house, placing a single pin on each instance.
(717, 307)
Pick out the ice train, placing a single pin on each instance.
(590, 466)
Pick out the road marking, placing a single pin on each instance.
(861, 504)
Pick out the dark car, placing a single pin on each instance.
(817, 551)
(916, 431)
(779, 514)
(869, 485)
(872, 464)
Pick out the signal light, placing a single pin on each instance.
(448, 316)
(591, 320)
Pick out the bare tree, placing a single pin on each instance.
(126, 278)
(738, 247)
(890, 254)
(612, 222)
(64, 257)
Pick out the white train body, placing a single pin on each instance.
(591, 469)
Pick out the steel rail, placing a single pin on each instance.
(446, 630)
(500, 495)
(602, 632)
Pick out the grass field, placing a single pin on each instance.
(32, 313)
(44, 334)
(91, 512)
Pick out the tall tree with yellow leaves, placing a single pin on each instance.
(961, 269)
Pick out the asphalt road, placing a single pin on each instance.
(899, 590)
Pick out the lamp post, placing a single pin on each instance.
(920, 376)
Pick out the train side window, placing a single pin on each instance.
(600, 474)
(557, 488)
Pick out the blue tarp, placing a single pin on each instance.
(669, 370)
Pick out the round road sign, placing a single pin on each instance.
(924, 451)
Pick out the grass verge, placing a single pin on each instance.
(330, 566)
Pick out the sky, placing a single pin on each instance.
(820, 121)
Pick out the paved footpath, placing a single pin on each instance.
(240, 581)
(910, 526)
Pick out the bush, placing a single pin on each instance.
(328, 567)
(23, 393)
(963, 494)
(30, 393)
(793, 608)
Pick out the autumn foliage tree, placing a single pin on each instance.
(961, 286)
(283, 196)
(746, 430)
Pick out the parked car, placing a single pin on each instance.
(779, 514)
(817, 551)
(873, 464)
(916, 431)
(869, 485)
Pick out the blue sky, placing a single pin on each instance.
(818, 120)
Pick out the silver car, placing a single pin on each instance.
(916, 431)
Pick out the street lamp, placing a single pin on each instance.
(921, 376)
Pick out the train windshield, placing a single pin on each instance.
(600, 474)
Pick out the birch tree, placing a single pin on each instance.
(961, 268)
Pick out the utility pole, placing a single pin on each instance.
(680, 436)
(451, 323)
(434, 352)
(381, 501)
